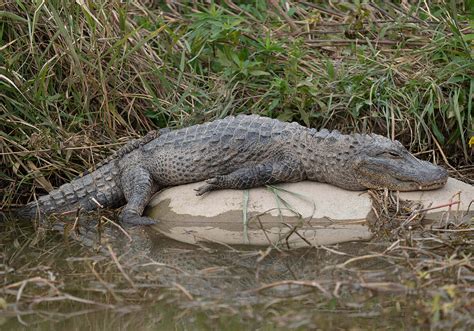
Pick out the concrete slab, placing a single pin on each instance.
(293, 214)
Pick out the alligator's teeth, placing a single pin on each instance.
(420, 188)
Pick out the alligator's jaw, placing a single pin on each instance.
(417, 186)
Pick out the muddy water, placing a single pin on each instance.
(152, 282)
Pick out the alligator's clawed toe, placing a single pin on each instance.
(203, 189)
(211, 184)
(212, 181)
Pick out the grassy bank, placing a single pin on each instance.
(77, 78)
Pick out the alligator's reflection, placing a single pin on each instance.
(235, 273)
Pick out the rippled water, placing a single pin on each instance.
(150, 282)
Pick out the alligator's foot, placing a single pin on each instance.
(211, 185)
(134, 220)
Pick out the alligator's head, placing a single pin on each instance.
(383, 163)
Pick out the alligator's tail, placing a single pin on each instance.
(98, 189)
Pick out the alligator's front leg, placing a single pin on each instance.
(138, 187)
(285, 170)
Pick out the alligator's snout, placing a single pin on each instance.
(433, 177)
(442, 175)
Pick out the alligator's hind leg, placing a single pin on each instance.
(284, 170)
(138, 187)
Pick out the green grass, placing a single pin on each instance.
(76, 80)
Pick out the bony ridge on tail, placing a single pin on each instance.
(239, 153)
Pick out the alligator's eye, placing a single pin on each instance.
(393, 155)
(389, 155)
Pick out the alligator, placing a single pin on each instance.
(238, 153)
